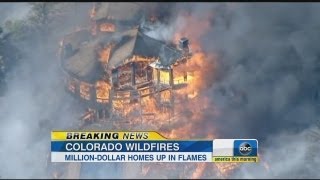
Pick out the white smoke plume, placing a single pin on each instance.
(34, 104)
(268, 56)
(268, 53)
(13, 11)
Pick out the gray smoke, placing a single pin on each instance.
(34, 104)
(10, 11)
(266, 80)
(265, 87)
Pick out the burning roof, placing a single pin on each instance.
(84, 63)
(134, 42)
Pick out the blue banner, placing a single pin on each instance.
(131, 146)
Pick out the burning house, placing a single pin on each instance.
(120, 74)
(117, 72)
(114, 66)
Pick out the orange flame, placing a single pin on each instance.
(102, 91)
(226, 168)
(196, 73)
(198, 171)
(85, 90)
(105, 54)
(107, 27)
(194, 76)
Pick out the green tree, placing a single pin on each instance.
(37, 26)
(18, 30)
(9, 56)
(42, 15)
(9, 53)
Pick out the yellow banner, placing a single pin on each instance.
(240, 159)
(105, 135)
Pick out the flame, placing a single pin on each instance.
(125, 76)
(107, 27)
(102, 91)
(85, 90)
(122, 104)
(226, 168)
(105, 54)
(264, 162)
(195, 74)
(164, 77)
(150, 105)
(198, 171)
(72, 85)
(138, 58)
(188, 119)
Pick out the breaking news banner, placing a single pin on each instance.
(100, 146)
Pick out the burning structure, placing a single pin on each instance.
(120, 74)
(113, 65)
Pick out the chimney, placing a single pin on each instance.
(68, 50)
(184, 44)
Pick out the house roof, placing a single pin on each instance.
(124, 48)
(85, 62)
(77, 38)
(134, 42)
(118, 11)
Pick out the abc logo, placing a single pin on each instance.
(245, 148)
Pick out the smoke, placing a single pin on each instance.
(271, 59)
(289, 156)
(34, 104)
(263, 86)
(265, 80)
(11, 11)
